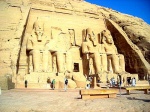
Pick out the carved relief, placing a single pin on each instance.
(59, 4)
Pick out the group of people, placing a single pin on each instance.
(112, 82)
(131, 82)
(53, 82)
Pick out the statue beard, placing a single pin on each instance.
(39, 33)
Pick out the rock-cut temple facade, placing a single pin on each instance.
(73, 40)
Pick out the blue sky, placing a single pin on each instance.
(138, 8)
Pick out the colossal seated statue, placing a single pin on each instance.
(93, 50)
(37, 50)
(60, 48)
(116, 61)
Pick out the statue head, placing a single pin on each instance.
(39, 29)
(90, 34)
(107, 36)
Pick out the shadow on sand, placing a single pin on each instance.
(133, 98)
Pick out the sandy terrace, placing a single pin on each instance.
(27, 100)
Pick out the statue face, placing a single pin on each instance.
(39, 29)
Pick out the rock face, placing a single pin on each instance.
(136, 29)
(47, 37)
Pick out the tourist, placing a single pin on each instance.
(53, 84)
(26, 83)
(149, 79)
(98, 81)
(90, 81)
(110, 82)
(128, 80)
(113, 82)
(88, 84)
(133, 81)
(66, 84)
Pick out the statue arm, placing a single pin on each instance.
(116, 51)
(29, 44)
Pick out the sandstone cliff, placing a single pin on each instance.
(137, 30)
(14, 16)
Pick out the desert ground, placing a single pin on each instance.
(46, 100)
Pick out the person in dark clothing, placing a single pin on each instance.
(128, 80)
(26, 83)
(66, 84)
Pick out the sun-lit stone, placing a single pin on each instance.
(72, 39)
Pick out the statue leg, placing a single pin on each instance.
(30, 63)
(36, 60)
(104, 62)
(96, 61)
(50, 62)
(60, 62)
(45, 60)
(115, 63)
(69, 63)
(122, 62)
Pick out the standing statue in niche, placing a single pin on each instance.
(115, 60)
(37, 50)
(93, 50)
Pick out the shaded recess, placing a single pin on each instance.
(135, 61)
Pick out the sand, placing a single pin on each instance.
(27, 100)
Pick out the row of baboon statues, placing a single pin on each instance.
(43, 51)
